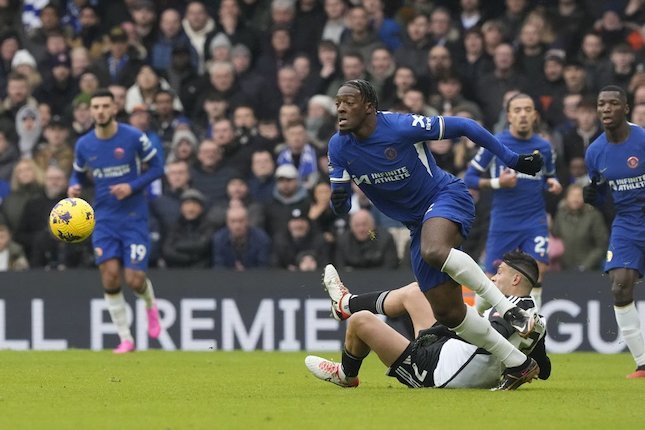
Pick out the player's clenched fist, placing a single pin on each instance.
(529, 163)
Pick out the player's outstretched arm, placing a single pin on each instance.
(525, 163)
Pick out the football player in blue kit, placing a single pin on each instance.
(113, 154)
(436, 357)
(616, 163)
(385, 155)
(518, 215)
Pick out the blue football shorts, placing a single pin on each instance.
(128, 242)
(626, 250)
(533, 241)
(455, 204)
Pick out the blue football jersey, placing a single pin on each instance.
(113, 161)
(622, 167)
(393, 166)
(522, 206)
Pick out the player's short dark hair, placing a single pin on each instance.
(102, 92)
(615, 88)
(519, 96)
(523, 263)
(368, 94)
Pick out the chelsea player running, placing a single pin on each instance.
(518, 215)
(385, 155)
(616, 161)
(113, 153)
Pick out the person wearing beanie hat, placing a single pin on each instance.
(188, 244)
(183, 146)
(25, 63)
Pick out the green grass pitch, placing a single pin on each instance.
(253, 390)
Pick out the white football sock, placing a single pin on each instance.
(464, 270)
(148, 294)
(536, 293)
(630, 328)
(479, 332)
(117, 308)
(481, 305)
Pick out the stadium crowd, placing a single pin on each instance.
(239, 95)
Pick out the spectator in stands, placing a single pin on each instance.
(261, 180)
(470, 16)
(165, 208)
(245, 125)
(9, 46)
(404, 79)
(516, 12)
(414, 102)
(209, 175)
(239, 245)
(188, 244)
(56, 149)
(183, 78)
(493, 32)
(289, 91)
(440, 63)
(592, 55)
(60, 88)
(120, 64)
(551, 85)
(222, 82)
(320, 120)
(32, 231)
(621, 68)
(530, 55)
(329, 70)
(300, 153)
(166, 117)
(18, 95)
(250, 80)
(12, 257)
(278, 54)
(288, 195)
(236, 29)
(491, 88)
(234, 155)
(308, 25)
(295, 247)
(8, 158)
(638, 114)
(25, 64)
(26, 183)
(364, 245)
(381, 67)
(81, 117)
(475, 61)
(171, 34)
(413, 52)
(237, 193)
(89, 35)
(320, 214)
(387, 29)
(334, 25)
(145, 88)
(28, 128)
(583, 232)
(441, 29)
(197, 24)
(587, 129)
(449, 94)
(214, 107)
(49, 23)
(359, 36)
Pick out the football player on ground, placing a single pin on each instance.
(385, 155)
(437, 357)
(518, 215)
(112, 153)
(616, 161)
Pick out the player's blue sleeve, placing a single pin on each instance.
(79, 168)
(338, 177)
(153, 159)
(457, 127)
(478, 165)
